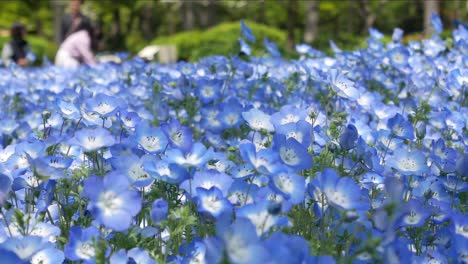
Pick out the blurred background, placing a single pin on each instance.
(211, 27)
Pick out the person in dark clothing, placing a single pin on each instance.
(74, 21)
(17, 50)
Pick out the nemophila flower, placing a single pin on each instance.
(343, 86)
(340, 192)
(300, 131)
(46, 195)
(112, 202)
(48, 255)
(242, 243)
(369, 156)
(165, 171)
(8, 256)
(258, 120)
(151, 139)
(259, 214)
(91, 139)
(207, 179)
(194, 252)
(397, 34)
(159, 210)
(247, 32)
(8, 126)
(398, 57)
(271, 48)
(47, 231)
(133, 256)
(104, 105)
(413, 213)
(179, 136)
(130, 119)
(5, 187)
(82, 244)
(400, 127)
(436, 23)
(459, 224)
(290, 185)
(443, 157)
(264, 160)
(242, 171)
(230, 115)
(292, 248)
(242, 192)
(211, 119)
(288, 114)
(376, 34)
(208, 89)
(462, 165)
(407, 162)
(212, 201)
(244, 47)
(292, 153)
(197, 156)
(133, 167)
(348, 137)
(24, 247)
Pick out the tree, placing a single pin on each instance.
(312, 20)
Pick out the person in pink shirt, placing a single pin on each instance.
(76, 49)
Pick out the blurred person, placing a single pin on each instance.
(76, 49)
(74, 20)
(17, 50)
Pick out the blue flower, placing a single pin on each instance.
(81, 244)
(207, 179)
(159, 210)
(242, 242)
(343, 86)
(212, 201)
(260, 215)
(400, 127)
(407, 162)
(258, 120)
(436, 23)
(340, 192)
(244, 47)
(165, 171)
(292, 153)
(179, 136)
(104, 105)
(348, 137)
(111, 201)
(208, 90)
(196, 157)
(290, 185)
(271, 48)
(264, 161)
(24, 247)
(132, 166)
(151, 139)
(93, 139)
(5, 187)
(413, 213)
(247, 32)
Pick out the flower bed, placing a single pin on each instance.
(360, 157)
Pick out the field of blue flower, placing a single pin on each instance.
(359, 157)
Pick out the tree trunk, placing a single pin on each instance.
(58, 8)
(189, 18)
(312, 19)
(291, 9)
(429, 7)
(146, 23)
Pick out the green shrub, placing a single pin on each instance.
(220, 40)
